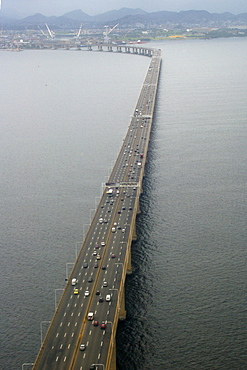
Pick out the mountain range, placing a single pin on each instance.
(128, 17)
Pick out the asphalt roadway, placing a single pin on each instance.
(100, 268)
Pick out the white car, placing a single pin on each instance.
(87, 293)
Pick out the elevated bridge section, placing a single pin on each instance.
(83, 330)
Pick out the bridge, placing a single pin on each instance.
(83, 329)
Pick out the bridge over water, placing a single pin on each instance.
(75, 340)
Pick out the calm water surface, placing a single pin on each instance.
(66, 113)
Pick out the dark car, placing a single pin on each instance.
(101, 299)
(85, 265)
(97, 292)
(90, 279)
(103, 267)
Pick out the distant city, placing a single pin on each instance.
(77, 29)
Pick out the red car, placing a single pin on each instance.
(95, 323)
(103, 325)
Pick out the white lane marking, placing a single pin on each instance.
(90, 332)
(75, 323)
(61, 346)
(57, 358)
(72, 334)
(65, 335)
(64, 359)
(61, 323)
(57, 335)
(69, 323)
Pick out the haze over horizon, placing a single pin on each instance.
(24, 8)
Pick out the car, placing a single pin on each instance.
(108, 297)
(82, 347)
(103, 267)
(74, 281)
(86, 293)
(123, 230)
(102, 244)
(90, 279)
(103, 325)
(119, 211)
(98, 257)
(101, 220)
(123, 208)
(130, 208)
(97, 292)
(95, 323)
(101, 299)
(113, 255)
(85, 265)
(76, 291)
(94, 253)
(96, 247)
(105, 283)
(115, 224)
(96, 265)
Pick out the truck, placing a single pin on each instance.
(90, 316)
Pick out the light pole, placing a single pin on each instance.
(76, 249)
(56, 297)
(99, 365)
(96, 201)
(67, 270)
(26, 364)
(84, 230)
(91, 217)
(41, 330)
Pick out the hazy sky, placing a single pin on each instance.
(93, 7)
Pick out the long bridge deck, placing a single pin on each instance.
(105, 256)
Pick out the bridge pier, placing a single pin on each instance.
(113, 363)
(122, 311)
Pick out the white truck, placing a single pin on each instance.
(90, 316)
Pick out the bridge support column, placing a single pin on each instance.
(122, 311)
(134, 234)
(113, 364)
(129, 265)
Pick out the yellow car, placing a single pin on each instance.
(76, 291)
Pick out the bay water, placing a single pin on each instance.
(63, 118)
